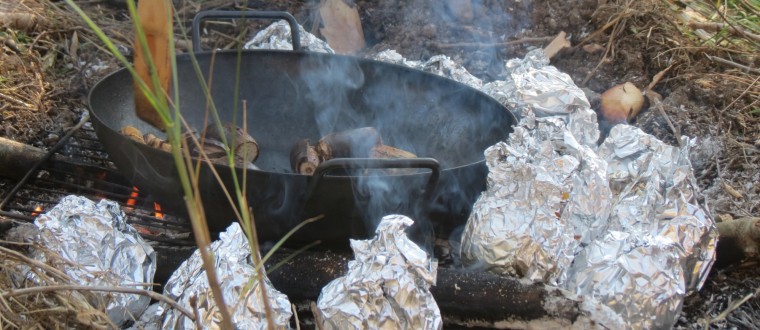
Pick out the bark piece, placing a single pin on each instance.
(342, 26)
(559, 43)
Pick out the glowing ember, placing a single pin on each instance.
(132, 198)
(159, 215)
(37, 211)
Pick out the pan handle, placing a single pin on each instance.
(295, 37)
(377, 163)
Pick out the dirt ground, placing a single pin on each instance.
(706, 100)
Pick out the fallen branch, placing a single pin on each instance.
(733, 64)
(717, 27)
(736, 304)
(51, 288)
(491, 44)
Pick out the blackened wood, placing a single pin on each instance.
(461, 294)
(17, 158)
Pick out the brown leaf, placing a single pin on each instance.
(342, 26)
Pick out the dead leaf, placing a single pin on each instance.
(593, 48)
(74, 47)
(342, 26)
(559, 43)
(731, 191)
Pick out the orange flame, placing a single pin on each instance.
(159, 215)
(132, 198)
(37, 211)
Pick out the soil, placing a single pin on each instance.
(697, 98)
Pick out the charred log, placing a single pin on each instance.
(463, 296)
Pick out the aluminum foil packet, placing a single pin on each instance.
(386, 286)
(639, 278)
(656, 195)
(541, 90)
(547, 197)
(277, 36)
(441, 65)
(189, 286)
(98, 248)
(392, 56)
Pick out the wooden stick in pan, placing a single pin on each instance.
(156, 20)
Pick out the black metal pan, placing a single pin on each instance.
(293, 95)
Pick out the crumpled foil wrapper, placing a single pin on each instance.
(386, 286)
(441, 65)
(540, 90)
(277, 36)
(547, 196)
(392, 56)
(101, 250)
(656, 195)
(444, 66)
(234, 270)
(661, 243)
(639, 278)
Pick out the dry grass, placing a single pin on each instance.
(57, 309)
(44, 55)
(665, 29)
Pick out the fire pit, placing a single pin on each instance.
(295, 95)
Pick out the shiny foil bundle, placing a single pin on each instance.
(392, 56)
(546, 195)
(189, 286)
(386, 286)
(277, 36)
(541, 90)
(661, 244)
(100, 249)
(655, 192)
(639, 278)
(443, 66)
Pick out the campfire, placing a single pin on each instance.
(469, 197)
